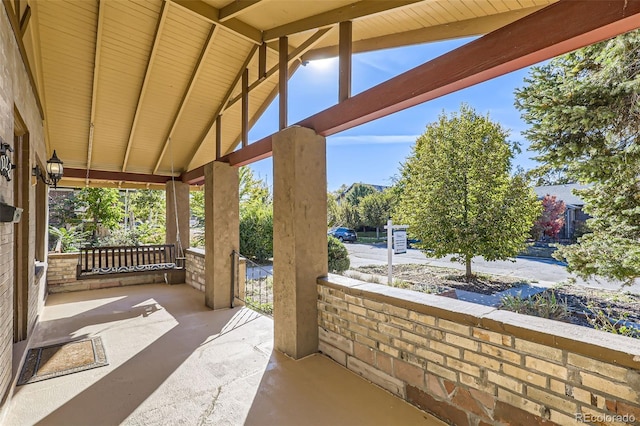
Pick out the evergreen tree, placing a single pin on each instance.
(584, 113)
(458, 196)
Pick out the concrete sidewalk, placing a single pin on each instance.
(173, 361)
(531, 269)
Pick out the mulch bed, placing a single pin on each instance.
(616, 304)
(437, 279)
(579, 300)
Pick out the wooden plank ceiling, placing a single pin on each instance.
(135, 86)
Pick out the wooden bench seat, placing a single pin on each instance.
(147, 259)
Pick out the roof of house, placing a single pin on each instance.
(562, 192)
(379, 188)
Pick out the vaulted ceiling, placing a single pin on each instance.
(136, 86)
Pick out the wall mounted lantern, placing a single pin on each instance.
(54, 171)
(5, 162)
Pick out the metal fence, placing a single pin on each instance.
(257, 291)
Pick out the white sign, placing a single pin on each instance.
(393, 234)
(399, 241)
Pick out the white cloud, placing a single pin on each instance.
(372, 139)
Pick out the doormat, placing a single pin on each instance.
(61, 359)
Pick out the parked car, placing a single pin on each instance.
(343, 234)
(412, 242)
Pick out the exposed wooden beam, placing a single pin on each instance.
(219, 137)
(212, 15)
(145, 82)
(15, 27)
(255, 151)
(94, 88)
(557, 29)
(114, 176)
(24, 21)
(293, 56)
(193, 177)
(245, 107)
(346, 13)
(344, 82)
(262, 62)
(236, 8)
(263, 107)
(187, 93)
(466, 28)
(283, 78)
(224, 100)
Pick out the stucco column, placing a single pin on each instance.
(299, 237)
(221, 230)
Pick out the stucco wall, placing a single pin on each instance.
(16, 94)
(471, 364)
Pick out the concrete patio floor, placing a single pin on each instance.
(173, 361)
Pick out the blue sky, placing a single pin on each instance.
(372, 152)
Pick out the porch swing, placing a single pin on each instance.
(94, 262)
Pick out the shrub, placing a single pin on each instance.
(607, 320)
(338, 255)
(544, 305)
(256, 231)
(65, 240)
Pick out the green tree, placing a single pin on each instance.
(256, 215)
(458, 196)
(332, 210)
(256, 231)
(103, 207)
(584, 115)
(357, 192)
(196, 204)
(348, 215)
(149, 205)
(252, 189)
(375, 209)
(62, 209)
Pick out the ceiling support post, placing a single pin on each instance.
(262, 62)
(344, 86)
(245, 107)
(283, 64)
(218, 137)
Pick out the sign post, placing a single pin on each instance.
(396, 242)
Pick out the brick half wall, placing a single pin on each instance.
(195, 268)
(473, 365)
(61, 276)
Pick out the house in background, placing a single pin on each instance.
(353, 186)
(574, 216)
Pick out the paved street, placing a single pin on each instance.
(546, 271)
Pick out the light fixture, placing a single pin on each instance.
(6, 166)
(54, 171)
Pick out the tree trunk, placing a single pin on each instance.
(377, 232)
(468, 267)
